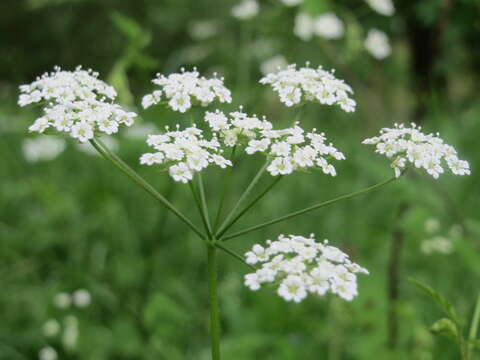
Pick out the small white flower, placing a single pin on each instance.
(293, 289)
(181, 172)
(245, 10)
(47, 353)
(81, 298)
(383, 7)
(62, 300)
(70, 332)
(377, 44)
(51, 328)
(82, 131)
(303, 26)
(291, 2)
(42, 149)
(328, 26)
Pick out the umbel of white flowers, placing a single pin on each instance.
(408, 145)
(299, 266)
(186, 152)
(183, 90)
(296, 85)
(77, 103)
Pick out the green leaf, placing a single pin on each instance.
(447, 328)
(127, 26)
(446, 306)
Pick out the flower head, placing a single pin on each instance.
(77, 103)
(183, 90)
(299, 266)
(184, 152)
(307, 84)
(409, 145)
(287, 149)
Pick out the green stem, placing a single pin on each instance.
(199, 205)
(242, 198)
(308, 209)
(249, 206)
(235, 255)
(213, 295)
(127, 170)
(472, 334)
(225, 189)
(203, 202)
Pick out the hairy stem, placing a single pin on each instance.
(132, 174)
(308, 209)
(213, 296)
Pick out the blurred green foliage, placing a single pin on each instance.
(75, 222)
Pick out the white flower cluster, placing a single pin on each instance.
(288, 149)
(327, 26)
(296, 85)
(245, 9)
(184, 153)
(77, 103)
(377, 44)
(300, 265)
(409, 145)
(182, 90)
(383, 7)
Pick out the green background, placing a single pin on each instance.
(76, 222)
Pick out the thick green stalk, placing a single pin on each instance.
(308, 209)
(213, 296)
(127, 170)
(249, 206)
(242, 198)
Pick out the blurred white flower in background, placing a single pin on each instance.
(70, 333)
(303, 26)
(51, 328)
(437, 244)
(47, 353)
(432, 225)
(245, 10)
(140, 131)
(273, 64)
(383, 7)
(291, 2)
(328, 26)
(203, 29)
(377, 44)
(62, 300)
(42, 148)
(81, 298)
(88, 149)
